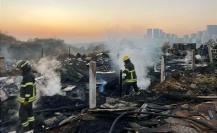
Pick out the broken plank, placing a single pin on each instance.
(207, 97)
(110, 110)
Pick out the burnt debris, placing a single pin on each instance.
(184, 102)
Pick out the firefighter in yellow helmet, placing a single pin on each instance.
(130, 78)
(27, 96)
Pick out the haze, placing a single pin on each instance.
(94, 19)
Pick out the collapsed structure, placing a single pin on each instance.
(90, 100)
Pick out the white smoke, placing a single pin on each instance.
(4, 52)
(188, 57)
(51, 83)
(143, 54)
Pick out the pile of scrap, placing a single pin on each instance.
(113, 105)
(184, 103)
(203, 117)
(170, 118)
(8, 87)
(184, 118)
(170, 85)
(75, 68)
(8, 103)
(191, 84)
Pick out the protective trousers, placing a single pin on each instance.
(26, 116)
(129, 86)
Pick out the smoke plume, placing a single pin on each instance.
(5, 53)
(51, 83)
(143, 54)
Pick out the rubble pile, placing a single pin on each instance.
(184, 102)
(170, 85)
(191, 84)
(8, 93)
(76, 67)
(112, 103)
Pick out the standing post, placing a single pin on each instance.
(210, 54)
(193, 60)
(162, 76)
(2, 65)
(69, 51)
(120, 83)
(92, 85)
(42, 52)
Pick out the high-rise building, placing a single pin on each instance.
(212, 31)
(197, 37)
(156, 33)
(163, 35)
(186, 38)
(204, 37)
(149, 33)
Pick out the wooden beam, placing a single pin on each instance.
(162, 77)
(92, 85)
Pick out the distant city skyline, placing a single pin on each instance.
(200, 36)
(95, 19)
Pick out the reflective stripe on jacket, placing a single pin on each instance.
(28, 89)
(27, 92)
(130, 76)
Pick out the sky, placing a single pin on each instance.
(95, 19)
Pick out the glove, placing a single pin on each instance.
(124, 75)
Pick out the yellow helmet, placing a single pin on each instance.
(125, 58)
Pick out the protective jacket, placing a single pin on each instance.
(129, 72)
(28, 88)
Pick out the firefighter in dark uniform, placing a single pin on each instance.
(130, 79)
(27, 96)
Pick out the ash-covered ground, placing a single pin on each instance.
(179, 94)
